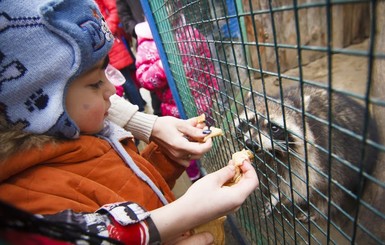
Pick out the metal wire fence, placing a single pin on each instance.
(300, 83)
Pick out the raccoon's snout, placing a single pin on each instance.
(252, 145)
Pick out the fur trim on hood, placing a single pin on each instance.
(13, 140)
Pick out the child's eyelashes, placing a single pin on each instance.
(97, 85)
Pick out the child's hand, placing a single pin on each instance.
(201, 239)
(206, 200)
(171, 134)
(212, 189)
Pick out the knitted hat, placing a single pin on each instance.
(44, 45)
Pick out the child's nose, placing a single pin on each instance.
(110, 90)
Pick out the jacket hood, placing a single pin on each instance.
(13, 141)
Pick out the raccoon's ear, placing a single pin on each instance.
(309, 98)
(306, 101)
(313, 96)
(248, 96)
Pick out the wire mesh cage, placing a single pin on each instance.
(300, 84)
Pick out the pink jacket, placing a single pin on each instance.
(197, 65)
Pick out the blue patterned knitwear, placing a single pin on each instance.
(44, 45)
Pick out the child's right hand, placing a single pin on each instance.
(206, 200)
(211, 190)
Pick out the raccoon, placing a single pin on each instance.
(292, 149)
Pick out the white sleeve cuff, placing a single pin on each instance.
(126, 115)
(121, 110)
(141, 125)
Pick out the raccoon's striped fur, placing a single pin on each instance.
(292, 148)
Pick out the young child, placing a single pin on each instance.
(58, 150)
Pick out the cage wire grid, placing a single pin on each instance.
(238, 60)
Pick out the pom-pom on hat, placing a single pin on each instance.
(44, 45)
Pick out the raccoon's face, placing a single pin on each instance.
(266, 128)
(259, 133)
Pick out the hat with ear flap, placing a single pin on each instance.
(44, 45)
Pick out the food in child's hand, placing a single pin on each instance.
(210, 131)
(238, 158)
(216, 228)
(214, 132)
(201, 118)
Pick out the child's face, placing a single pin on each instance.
(88, 99)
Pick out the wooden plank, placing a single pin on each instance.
(350, 24)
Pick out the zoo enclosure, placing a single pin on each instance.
(259, 48)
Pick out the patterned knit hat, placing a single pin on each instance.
(45, 44)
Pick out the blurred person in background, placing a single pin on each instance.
(120, 55)
(131, 13)
(151, 75)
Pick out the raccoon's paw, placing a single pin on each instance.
(268, 210)
(269, 206)
(304, 218)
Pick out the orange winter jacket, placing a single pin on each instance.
(82, 175)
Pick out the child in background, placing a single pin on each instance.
(120, 57)
(151, 75)
(130, 14)
(59, 151)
